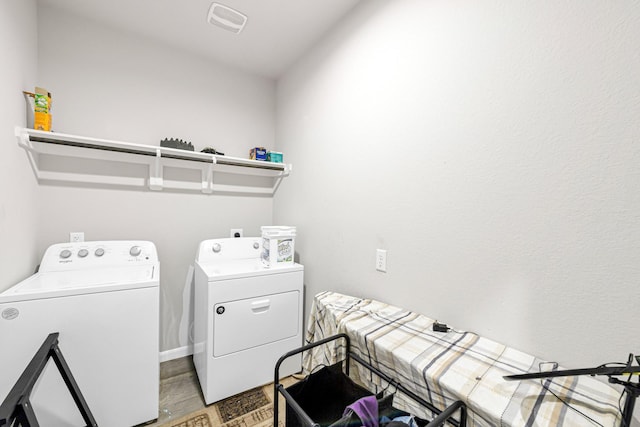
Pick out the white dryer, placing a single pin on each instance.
(246, 316)
(102, 297)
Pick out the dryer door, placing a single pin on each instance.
(252, 322)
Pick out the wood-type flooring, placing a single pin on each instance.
(180, 392)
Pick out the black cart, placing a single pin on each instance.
(320, 399)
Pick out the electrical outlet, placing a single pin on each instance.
(381, 260)
(77, 236)
(236, 232)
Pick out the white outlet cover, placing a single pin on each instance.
(381, 260)
(76, 236)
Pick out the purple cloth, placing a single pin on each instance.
(367, 409)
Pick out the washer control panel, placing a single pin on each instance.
(79, 255)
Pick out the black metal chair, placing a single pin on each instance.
(16, 409)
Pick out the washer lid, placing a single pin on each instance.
(237, 268)
(63, 283)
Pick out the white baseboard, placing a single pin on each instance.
(176, 353)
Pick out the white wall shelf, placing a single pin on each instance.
(57, 157)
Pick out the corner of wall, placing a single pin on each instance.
(18, 226)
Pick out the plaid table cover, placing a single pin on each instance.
(444, 367)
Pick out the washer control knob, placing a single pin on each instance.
(216, 247)
(99, 252)
(220, 310)
(135, 251)
(256, 245)
(83, 253)
(65, 254)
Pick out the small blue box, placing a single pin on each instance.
(258, 153)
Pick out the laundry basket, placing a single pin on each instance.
(313, 396)
(320, 399)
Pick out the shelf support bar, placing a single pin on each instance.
(155, 172)
(25, 142)
(278, 180)
(207, 177)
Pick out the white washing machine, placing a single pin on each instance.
(102, 297)
(246, 316)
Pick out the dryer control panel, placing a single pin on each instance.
(215, 250)
(108, 253)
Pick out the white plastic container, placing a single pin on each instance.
(278, 245)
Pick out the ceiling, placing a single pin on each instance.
(277, 32)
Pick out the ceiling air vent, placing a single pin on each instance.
(227, 18)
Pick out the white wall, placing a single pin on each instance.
(18, 203)
(493, 148)
(108, 84)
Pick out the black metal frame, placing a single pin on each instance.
(16, 409)
(631, 388)
(442, 417)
